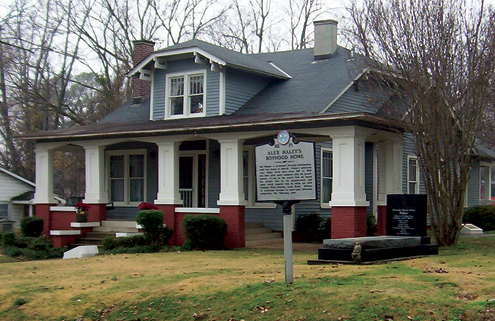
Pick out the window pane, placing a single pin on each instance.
(4, 211)
(186, 172)
(117, 166)
(136, 166)
(196, 85)
(326, 190)
(196, 104)
(117, 188)
(137, 190)
(177, 106)
(413, 170)
(327, 164)
(412, 188)
(177, 86)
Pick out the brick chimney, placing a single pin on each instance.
(142, 49)
(325, 39)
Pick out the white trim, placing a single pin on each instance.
(17, 177)
(344, 90)
(416, 189)
(222, 93)
(126, 153)
(62, 209)
(194, 51)
(262, 206)
(197, 210)
(65, 232)
(84, 224)
(280, 69)
(185, 112)
(322, 150)
(152, 96)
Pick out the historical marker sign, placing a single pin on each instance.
(406, 215)
(285, 170)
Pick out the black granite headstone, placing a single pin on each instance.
(406, 215)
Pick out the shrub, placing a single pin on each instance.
(110, 242)
(204, 232)
(152, 223)
(8, 239)
(309, 227)
(31, 248)
(482, 216)
(371, 225)
(32, 226)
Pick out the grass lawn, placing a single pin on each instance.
(458, 284)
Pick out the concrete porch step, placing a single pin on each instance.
(118, 223)
(258, 230)
(264, 236)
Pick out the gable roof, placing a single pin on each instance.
(314, 84)
(219, 55)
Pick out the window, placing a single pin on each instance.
(127, 175)
(412, 175)
(487, 182)
(186, 95)
(4, 211)
(326, 176)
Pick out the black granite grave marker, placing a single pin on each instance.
(406, 215)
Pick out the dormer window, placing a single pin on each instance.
(186, 95)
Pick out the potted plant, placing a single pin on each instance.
(81, 212)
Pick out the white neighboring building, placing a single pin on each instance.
(16, 199)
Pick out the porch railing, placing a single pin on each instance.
(186, 194)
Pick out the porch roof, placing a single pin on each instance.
(217, 124)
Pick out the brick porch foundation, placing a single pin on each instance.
(235, 217)
(348, 222)
(381, 220)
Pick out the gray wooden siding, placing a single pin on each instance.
(358, 98)
(473, 188)
(240, 87)
(213, 173)
(271, 218)
(159, 82)
(158, 102)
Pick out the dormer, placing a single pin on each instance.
(198, 79)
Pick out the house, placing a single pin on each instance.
(16, 194)
(186, 140)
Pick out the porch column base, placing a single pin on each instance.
(348, 222)
(235, 217)
(170, 219)
(43, 211)
(97, 212)
(381, 220)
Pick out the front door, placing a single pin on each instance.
(192, 180)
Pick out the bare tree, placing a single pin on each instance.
(302, 13)
(438, 56)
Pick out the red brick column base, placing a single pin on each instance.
(348, 222)
(234, 216)
(381, 220)
(43, 211)
(170, 219)
(63, 240)
(97, 212)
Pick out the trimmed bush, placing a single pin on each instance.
(152, 223)
(30, 248)
(308, 227)
(204, 232)
(32, 226)
(8, 239)
(110, 242)
(371, 226)
(482, 216)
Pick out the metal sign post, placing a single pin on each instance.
(285, 173)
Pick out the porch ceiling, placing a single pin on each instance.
(217, 124)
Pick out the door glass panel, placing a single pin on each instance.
(137, 190)
(136, 166)
(201, 180)
(186, 172)
(117, 188)
(117, 166)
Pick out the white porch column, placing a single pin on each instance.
(44, 175)
(390, 170)
(231, 179)
(168, 174)
(348, 170)
(96, 192)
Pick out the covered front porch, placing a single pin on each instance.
(215, 174)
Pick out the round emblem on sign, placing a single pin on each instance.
(283, 137)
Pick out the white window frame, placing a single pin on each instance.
(416, 189)
(491, 168)
(251, 192)
(126, 153)
(325, 150)
(186, 111)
